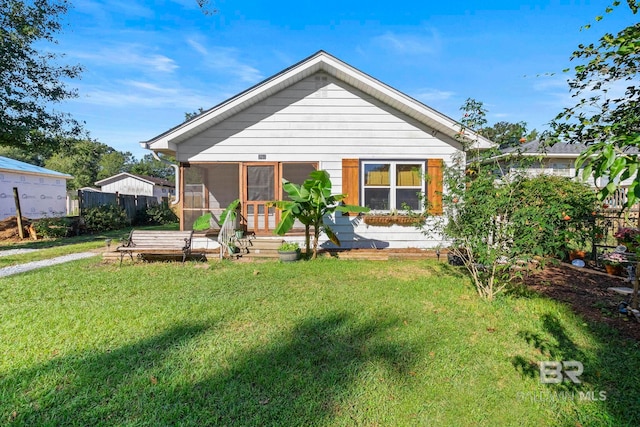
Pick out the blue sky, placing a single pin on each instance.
(147, 63)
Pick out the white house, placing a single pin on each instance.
(138, 185)
(559, 159)
(42, 192)
(377, 144)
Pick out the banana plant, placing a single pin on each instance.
(309, 203)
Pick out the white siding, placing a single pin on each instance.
(316, 120)
(129, 185)
(321, 119)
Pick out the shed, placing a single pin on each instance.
(42, 192)
(137, 185)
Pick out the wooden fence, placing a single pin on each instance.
(91, 199)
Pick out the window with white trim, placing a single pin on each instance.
(389, 185)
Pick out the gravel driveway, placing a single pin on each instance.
(21, 268)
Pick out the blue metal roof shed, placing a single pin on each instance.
(12, 165)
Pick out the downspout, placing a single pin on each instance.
(176, 169)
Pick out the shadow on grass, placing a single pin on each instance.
(305, 378)
(79, 389)
(612, 368)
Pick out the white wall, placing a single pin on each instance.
(40, 195)
(321, 119)
(129, 185)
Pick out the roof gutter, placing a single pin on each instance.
(176, 169)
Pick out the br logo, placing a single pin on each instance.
(554, 372)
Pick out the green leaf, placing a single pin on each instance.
(287, 219)
(331, 235)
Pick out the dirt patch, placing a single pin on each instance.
(9, 229)
(585, 290)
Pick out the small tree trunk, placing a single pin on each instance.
(316, 235)
(307, 240)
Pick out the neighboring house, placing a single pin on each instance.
(377, 143)
(138, 185)
(42, 192)
(559, 159)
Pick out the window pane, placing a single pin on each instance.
(408, 175)
(260, 185)
(409, 198)
(376, 174)
(377, 198)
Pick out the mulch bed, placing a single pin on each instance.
(585, 290)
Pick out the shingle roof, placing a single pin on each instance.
(18, 166)
(536, 147)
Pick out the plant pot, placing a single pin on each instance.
(614, 270)
(389, 220)
(577, 255)
(289, 256)
(239, 234)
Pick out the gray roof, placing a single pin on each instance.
(537, 147)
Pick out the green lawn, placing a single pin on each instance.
(49, 248)
(329, 342)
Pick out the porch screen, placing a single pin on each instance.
(296, 173)
(260, 183)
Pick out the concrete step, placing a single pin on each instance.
(262, 248)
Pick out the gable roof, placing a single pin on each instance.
(149, 179)
(12, 165)
(536, 147)
(320, 61)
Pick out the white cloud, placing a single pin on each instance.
(410, 44)
(129, 55)
(225, 59)
(131, 94)
(432, 95)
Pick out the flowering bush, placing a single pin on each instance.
(613, 258)
(627, 234)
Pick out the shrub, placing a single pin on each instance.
(495, 220)
(161, 214)
(52, 227)
(105, 218)
(551, 214)
(289, 247)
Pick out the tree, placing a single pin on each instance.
(189, 116)
(496, 220)
(113, 162)
(606, 121)
(309, 203)
(507, 134)
(150, 166)
(80, 158)
(31, 78)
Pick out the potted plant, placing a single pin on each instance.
(239, 233)
(289, 251)
(613, 262)
(627, 236)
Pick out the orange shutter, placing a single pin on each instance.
(434, 186)
(351, 181)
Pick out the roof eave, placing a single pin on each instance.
(320, 61)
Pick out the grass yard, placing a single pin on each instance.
(329, 342)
